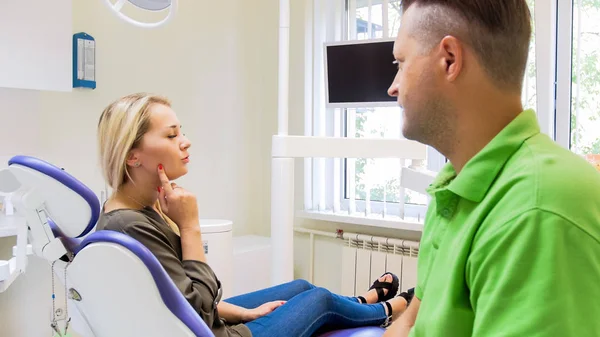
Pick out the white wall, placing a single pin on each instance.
(35, 50)
(217, 61)
(259, 22)
(19, 113)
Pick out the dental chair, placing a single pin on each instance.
(115, 285)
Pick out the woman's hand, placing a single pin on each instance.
(263, 310)
(177, 203)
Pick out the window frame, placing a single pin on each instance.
(565, 13)
(564, 64)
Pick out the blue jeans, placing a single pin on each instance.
(308, 309)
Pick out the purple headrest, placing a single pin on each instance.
(76, 215)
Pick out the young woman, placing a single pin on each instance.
(142, 149)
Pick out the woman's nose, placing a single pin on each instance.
(186, 144)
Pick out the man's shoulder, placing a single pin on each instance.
(558, 171)
(546, 176)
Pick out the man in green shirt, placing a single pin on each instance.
(511, 242)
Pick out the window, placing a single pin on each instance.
(529, 82)
(585, 86)
(374, 184)
(356, 190)
(577, 92)
(377, 180)
(368, 187)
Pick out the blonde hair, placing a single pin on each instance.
(121, 127)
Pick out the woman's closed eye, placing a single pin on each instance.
(174, 131)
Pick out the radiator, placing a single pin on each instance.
(365, 258)
(363, 262)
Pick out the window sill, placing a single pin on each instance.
(375, 220)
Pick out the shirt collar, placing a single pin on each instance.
(479, 173)
(441, 181)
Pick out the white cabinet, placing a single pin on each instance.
(36, 44)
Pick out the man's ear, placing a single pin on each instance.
(452, 57)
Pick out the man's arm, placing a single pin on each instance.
(401, 327)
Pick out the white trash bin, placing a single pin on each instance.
(217, 240)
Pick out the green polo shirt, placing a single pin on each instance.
(511, 245)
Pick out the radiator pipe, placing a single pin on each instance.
(359, 237)
(312, 258)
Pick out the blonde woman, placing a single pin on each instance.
(142, 149)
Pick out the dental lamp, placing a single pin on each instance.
(148, 5)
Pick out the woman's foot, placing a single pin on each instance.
(372, 296)
(397, 304)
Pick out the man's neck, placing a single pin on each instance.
(477, 128)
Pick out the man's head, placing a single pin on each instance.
(449, 51)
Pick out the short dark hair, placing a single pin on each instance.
(498, 31)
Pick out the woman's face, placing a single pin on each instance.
(163, 144)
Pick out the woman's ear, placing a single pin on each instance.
(133, 159)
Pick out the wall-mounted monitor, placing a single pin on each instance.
(359, 73)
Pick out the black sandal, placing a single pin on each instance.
(392, 288)
(408, 295)
(388, 319)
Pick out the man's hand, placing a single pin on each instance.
(263, 310)
(401, 327)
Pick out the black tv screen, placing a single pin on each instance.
(360, 73)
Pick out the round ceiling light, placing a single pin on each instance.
(148, 5)
(151, 5)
